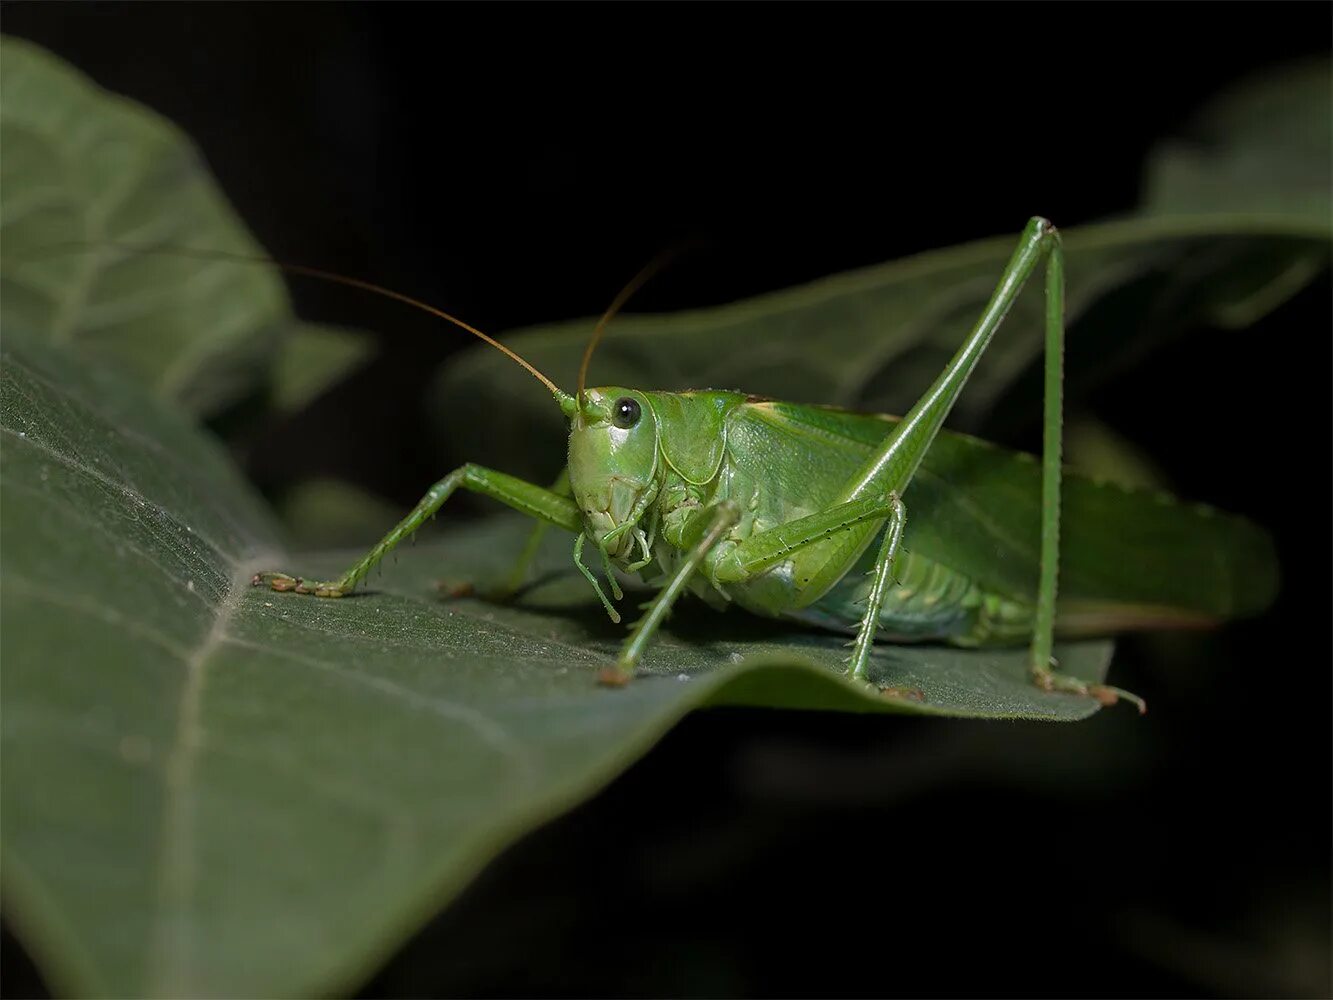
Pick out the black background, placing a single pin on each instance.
(516, 164)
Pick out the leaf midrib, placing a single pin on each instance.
(170, 941)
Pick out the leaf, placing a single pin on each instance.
(84, 169)
(210, 788)
(1098, 452)
(875, 338)
(1265, 142)
(332, 513)
(312, 359)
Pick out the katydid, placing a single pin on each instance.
(882, 527)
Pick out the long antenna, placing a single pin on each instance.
(315, 272)
(618, 303)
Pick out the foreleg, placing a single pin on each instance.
(518, 573)
(527, 498)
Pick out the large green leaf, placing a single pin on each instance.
(1236, 220)
(84, 169)
(215, 789)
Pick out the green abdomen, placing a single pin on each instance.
(927, 602)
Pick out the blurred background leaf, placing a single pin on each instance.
(84, 169)
(1262, 146)
(313, 358)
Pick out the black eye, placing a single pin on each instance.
(626, 413)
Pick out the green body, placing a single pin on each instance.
(967, 570)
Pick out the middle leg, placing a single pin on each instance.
(888, 549)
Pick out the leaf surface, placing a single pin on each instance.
(215, 789)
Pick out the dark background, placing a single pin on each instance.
(516, 164)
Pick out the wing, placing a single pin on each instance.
(1128, 557)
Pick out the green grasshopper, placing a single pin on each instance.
(801, 512)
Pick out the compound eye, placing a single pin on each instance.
(626, 413)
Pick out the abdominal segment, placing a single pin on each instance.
(926, 602)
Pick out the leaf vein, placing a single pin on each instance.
(170, 940)
(123, 488)
(488, 729)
